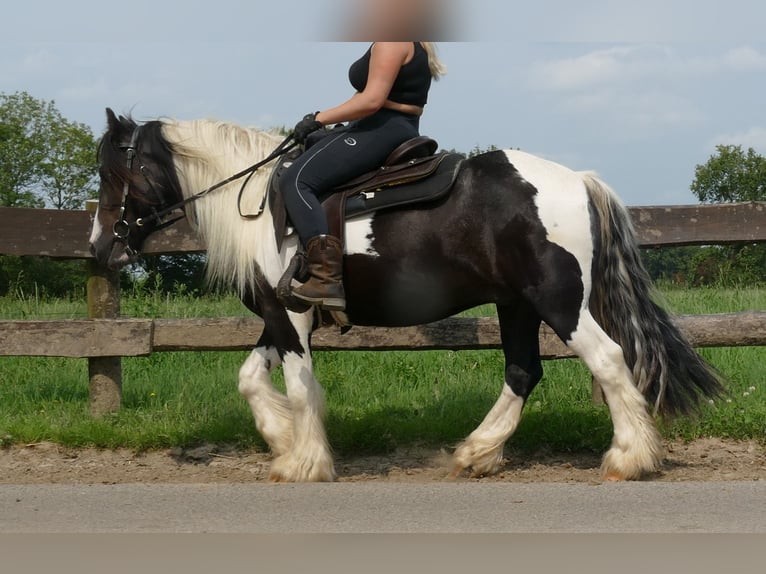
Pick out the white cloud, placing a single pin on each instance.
(745, 59)
(634, 115)
(630, 90)
(736, 60)
(641, 89)
(754, 137)
(38, 61)
(640, 66)
(583, 72)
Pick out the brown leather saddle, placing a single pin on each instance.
(413, 173)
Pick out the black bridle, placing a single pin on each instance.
(121, 227)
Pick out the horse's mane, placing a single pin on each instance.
(209, 149)
(206, 152)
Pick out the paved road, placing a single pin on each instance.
(646, 507)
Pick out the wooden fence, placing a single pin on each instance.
(104, 337)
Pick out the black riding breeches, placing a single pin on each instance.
(344, 154)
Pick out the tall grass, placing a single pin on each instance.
(376, 401)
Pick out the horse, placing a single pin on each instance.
(539, 241)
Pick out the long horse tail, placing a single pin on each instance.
(666, 369)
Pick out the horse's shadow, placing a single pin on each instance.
(395, 440)
(382, 441)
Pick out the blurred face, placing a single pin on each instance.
(395, 20)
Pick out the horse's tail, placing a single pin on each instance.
(666, 369)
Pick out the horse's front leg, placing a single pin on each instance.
(309, 459)
(271, 409)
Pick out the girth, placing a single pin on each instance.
(411, 174)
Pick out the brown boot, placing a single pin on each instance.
(324, 255)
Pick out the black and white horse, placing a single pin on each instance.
(541, 242)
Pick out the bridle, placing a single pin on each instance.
(121, 228)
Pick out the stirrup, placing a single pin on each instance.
(326, 303)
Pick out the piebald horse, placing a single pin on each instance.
(541, 242)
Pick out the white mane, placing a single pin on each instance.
(206, 152)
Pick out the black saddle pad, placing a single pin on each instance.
(361, 201)
(430, 188)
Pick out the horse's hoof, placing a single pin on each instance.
(612, 477)
(455, 473)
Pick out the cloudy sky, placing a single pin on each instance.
(639, 91)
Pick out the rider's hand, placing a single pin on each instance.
(306, 126)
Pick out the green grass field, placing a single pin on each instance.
(376, 401)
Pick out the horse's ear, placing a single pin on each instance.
(111, 121)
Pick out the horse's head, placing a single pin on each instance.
(137, 179)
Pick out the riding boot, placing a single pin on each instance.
(324, 256)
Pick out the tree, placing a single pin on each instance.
(731, 175)
(476, 150)
(45, 159)
(169, 273)
(69, 171)
(25, 127)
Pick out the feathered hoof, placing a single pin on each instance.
(619, 466)
(459, 472)
(475, 460)
(612, 477)
(287, 468)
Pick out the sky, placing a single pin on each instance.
(640, 92)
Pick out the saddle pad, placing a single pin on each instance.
(403, 191)
(430, 188)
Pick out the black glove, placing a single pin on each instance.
(307, 125)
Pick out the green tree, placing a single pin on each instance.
(169, 273)
(730, 175)
(25, 127)
(45, 159)
(670, 264)
(69, 171)
(476, 150)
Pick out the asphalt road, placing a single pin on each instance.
(468, 507)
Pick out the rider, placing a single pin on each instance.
(392, 80)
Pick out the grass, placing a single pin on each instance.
(376, 401)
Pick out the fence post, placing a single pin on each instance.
(105, 373)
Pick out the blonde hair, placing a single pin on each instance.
(438, 69)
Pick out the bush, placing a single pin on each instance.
(42, 275)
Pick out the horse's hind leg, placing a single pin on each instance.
(271, 409)
(636, 446)
(482, 450)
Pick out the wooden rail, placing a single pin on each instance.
(90, 338)
(105, 337)
(64, 234)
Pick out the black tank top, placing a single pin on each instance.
(411, 85)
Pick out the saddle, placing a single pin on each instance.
(412, 173)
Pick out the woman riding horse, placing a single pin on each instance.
(392, 80)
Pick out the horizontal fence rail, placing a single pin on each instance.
(105, 336)
(64, 234)
(84, 338)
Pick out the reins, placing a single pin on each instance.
(121, 228)
(286, 145)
